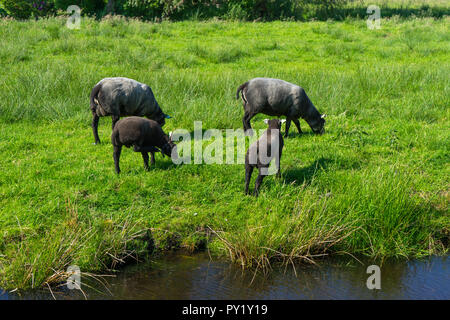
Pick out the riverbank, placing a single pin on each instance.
(376, 183)
(197, 277)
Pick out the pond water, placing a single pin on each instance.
(198, 277)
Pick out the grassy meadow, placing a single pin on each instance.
(376, 183)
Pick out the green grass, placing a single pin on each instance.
(376, 183)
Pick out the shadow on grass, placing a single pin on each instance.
(299, 176)
(296, 134)
(160, 164)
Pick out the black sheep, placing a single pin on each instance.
(276, 97)
(144, 135)
(262, 152)
(119, 97)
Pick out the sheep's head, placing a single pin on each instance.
(274, 123)
(161, 118)
(317, 124)
(170, 148)
(320, 126)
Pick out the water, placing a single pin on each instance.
(197, 277)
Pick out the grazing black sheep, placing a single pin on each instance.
(144, 135)
(262, 152)
(118, 97)
(276, 97)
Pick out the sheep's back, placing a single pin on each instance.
(274, 96)
(129, 130)
(127, 97)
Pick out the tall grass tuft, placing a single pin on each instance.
(36, 259)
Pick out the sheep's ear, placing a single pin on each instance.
(266, 121)
(167, 116)
(323, 116)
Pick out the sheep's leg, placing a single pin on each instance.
(279, 171)
(114, 120)
(248, 175)
(277, 162)
(277, 165)
(297, 124)
(116, 156)
(246, 120)
(145, 157)
(152, 154)
(95, 119)
(288, 125)
(258, 182)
